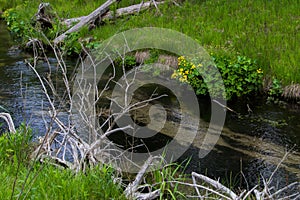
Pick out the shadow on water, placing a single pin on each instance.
(253, 144)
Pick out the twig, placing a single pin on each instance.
(226, 107)
(9, 121)
(285, 188)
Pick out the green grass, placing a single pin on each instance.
(267, 31)
(54, 183)
(23, 179)
(264, 30)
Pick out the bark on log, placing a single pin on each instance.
(119, 12)
(86, 20)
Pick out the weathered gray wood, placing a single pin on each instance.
(45, 15)
(119, 12)
(9, 121)
(131, 9)
(86, 20)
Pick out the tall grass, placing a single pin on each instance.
(264, 30)
(22, 179)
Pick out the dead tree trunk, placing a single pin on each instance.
(91, 17)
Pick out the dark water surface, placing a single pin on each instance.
(253, 144)
(20, 91)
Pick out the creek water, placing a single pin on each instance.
(253, 144)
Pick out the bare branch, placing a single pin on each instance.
(216, 184)
(9, 121)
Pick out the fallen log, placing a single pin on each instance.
(86, 20)
(119, 12)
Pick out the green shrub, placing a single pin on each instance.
(17, 146)
(275, 89)
(241, 75)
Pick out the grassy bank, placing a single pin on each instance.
(25, 179)
(267, 31)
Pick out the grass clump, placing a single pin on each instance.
(25, 179)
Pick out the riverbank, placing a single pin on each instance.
(221, 147)
(23, 178)
(263, 31)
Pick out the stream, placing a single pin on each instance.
(253, 144)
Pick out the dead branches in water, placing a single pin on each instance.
(267, 191)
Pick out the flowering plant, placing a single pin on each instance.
(240, 75)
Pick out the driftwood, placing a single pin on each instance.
(131, 191)
(9, 121)
(215, 184)
(45, 16)
(86, 20)
(267, 192)
(119, 12)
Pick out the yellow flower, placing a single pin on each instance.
(185, 77)
(193, 67)
(187, 72)
(181, 69)
(200, 65)
(259, 71)
(181, 58)
(174, 75)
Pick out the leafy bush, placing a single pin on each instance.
(14, 22)
(275, 89)
(16, 146)
(241, 75)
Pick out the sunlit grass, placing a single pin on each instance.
(267, 31)
(264, 30)
(21, 178)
